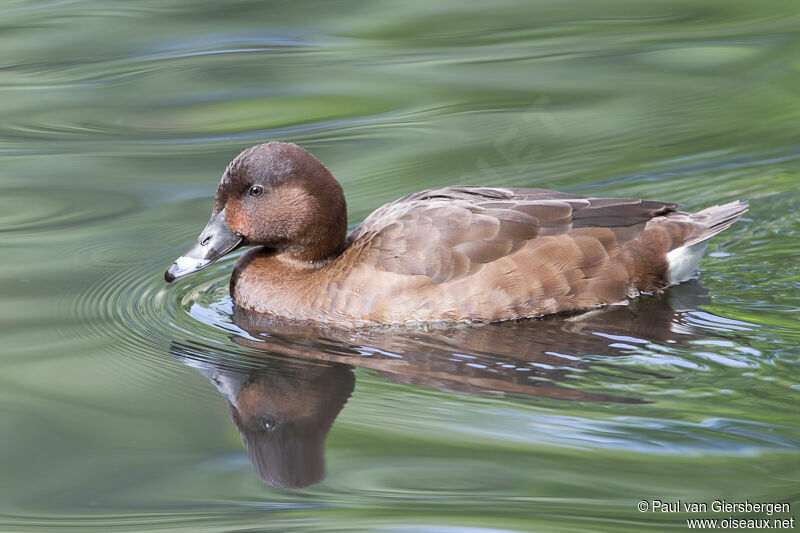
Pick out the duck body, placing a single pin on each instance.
(453, 254)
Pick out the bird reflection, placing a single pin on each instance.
(283, 412)
(284, 401)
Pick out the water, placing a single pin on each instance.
(118, 119)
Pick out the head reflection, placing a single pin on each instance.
(284, 411)
(286, 405)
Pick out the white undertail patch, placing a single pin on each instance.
(683, 262)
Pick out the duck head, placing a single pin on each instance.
(277, 195)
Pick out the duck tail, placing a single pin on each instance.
(716, 219)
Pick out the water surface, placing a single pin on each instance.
(116, 389)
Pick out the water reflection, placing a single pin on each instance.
(284, 401)
(283, 412)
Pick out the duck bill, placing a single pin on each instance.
(216, 240)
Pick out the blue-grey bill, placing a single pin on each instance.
(216, 240)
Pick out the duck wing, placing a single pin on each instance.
(453, 232)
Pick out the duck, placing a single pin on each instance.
(446, 255)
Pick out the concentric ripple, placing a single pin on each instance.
(26, 210)
(151, 317)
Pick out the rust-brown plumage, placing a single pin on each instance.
(456, 254)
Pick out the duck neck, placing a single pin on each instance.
(323, 239)
(304, 262)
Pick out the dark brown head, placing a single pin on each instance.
(277, 195)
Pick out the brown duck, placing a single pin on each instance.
(452, 254)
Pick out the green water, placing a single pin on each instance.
(118, 119)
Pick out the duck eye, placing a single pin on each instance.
(268, 423)
(256, 191)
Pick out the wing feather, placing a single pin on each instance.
(450, 233)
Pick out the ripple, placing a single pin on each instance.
(27, 209)
(149, 319)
